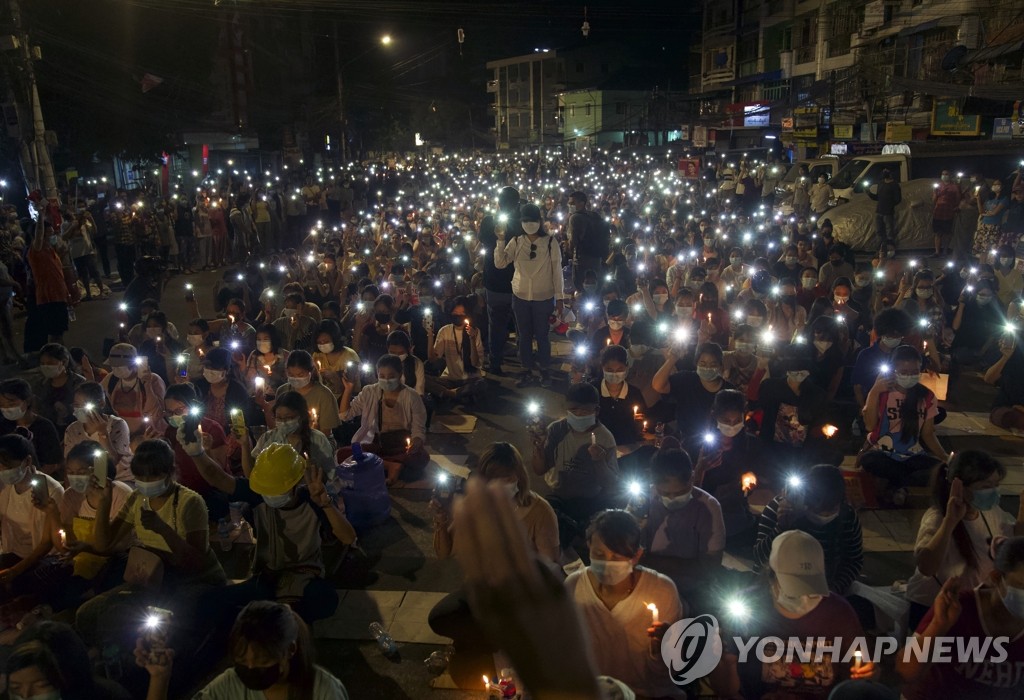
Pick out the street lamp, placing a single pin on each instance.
(386, 40)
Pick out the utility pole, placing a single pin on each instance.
(35, 157)
(341, 103)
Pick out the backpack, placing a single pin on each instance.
(596, 241)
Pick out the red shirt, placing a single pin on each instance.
(48, 274)
(188, 473)
(973, 679)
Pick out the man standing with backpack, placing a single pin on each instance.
(588, 239)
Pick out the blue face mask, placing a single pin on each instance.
(580, 423)
(985, 499)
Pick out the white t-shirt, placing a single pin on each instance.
(226, 686)
(989, 523)
(618, 636)
(21, 523)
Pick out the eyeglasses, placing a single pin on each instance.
(533, 251)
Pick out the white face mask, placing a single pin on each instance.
(730, 430)
(122, 372)
(808, 282)
(325, 348)
(1013, 599)
(511, 489)
(278, 501)
(152, 489)
(755, 321)
(610, 573)
(615, 377)
(13, 476)
(13, 413)
(154, 333)
(822, 519)
(798, 605)
(1005, 262)
(264, 346)
(194, 340)
(798, 377)
(684, 312)
(78, 482)
(660, 299)
(51, 371)
(822, 345)
(82, 415)
(290, 313)
(531, 227)
(890, 342)
(214, 376)
(617, 325)
(298, 382)
(677, 503)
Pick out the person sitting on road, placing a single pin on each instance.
(459, 348)
(304, 379)
(19, 416)
(55, 392)
(136, 394)
(93, 421)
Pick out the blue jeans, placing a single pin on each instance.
(886, 226)
(499, 311)
(532, 324)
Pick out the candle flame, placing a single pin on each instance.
(748, 481)
(829, 431)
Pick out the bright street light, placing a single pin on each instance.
(386, 39)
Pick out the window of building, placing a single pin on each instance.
(587, 113)
(572, 110)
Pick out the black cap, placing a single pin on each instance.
(529, 212)
(217, 358)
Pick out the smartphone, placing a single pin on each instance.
(156, 630)
(100, 462)
(191, 425)
(40, 490)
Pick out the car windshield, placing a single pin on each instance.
(848, 174)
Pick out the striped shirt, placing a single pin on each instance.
(840, 539)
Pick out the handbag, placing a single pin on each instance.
(144, 569)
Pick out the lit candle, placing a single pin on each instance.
(608, 342)
(857, 659)
(654, 613)
(312, 414)
(319, 367)
(748, 481)
(636, 412)
(593, 438)
(829, 430)
(408, 443)
(63, 538)
(259, 382)
(266, 368)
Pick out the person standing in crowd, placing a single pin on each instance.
(498, 282)
(48, 316)
(537, 286)
(889, 195)
(588, 239)
(945, 203)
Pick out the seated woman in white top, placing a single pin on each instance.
(957, 530)
(413, 375)
(613, 594)
(93, 421)
(393, 422)
(333, 357)
(292, 426)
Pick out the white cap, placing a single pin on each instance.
(799, 564)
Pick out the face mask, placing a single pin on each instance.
(984, 300)
(821, 181)
(791, 260)
(610, 573)
(982, 499)
(924, 293)
(298, 382)
(49, 695)
(615, 377)
(840, 300)
(15, 413)
(735, 261)
(891, 342)
(677, 503)
(730, 430)
(572, 208)
(821, 519)
(908, 381)
(755, 321)
(402, 357)
(278, 501)
(153, 333)
(798, 604)
(964, 274)
(590, 288)
(78, 482)
(617, 325)
(744, 348)
(122, 372)
(288, 426)
(510, 489)
(579, 423)
(945, 178)
(660, 299)
(13, 476)
(194, 340)
(862, 282)
(258, 679)
(1013, 599)
(389, 384)
(707, 374)
(290, 313)
(531, 227)
(151, 489)
(82, 415)
(684, 311)
(50, 370)
(822, 345)
(997, 188)
(808, 282)
(214, 376)
(175, 421)
(798, 377)
(264, 346)
(325, 348)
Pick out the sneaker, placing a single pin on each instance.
(545, 379)
(525, 380)
(899, 497)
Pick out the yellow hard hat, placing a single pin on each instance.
(278, 468)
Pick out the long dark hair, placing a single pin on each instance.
(297, 402)
(911, 423)
(55, 649)
(401, 338)
(271, 628)
(971, 467)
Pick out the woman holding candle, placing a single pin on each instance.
(413, 370)
(333, 357)
(622, 404)
(393, 421)
(613, 594)
(268, 360)
(56, 390)
(293, 425)
(693, 392)
(159, 347)
(304, 378)
(93, 421)
(200, 341)
(219, 392)
(75, 517)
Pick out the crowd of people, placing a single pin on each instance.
(723, 360)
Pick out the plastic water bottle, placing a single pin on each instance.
(224, 529)
(384, 641)
(437, 662)
(659, 434)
